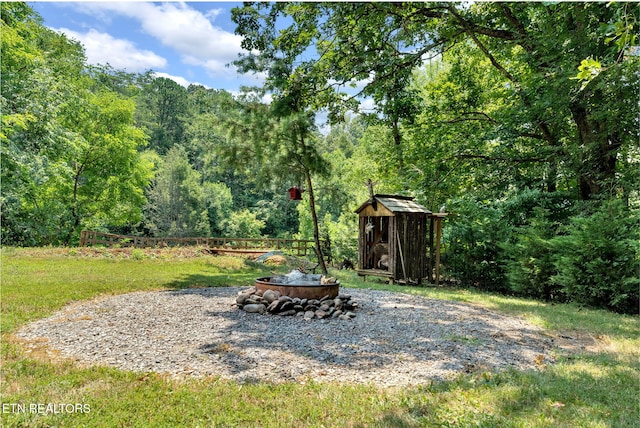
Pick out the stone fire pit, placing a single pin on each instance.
(300, 294)
(298, 284)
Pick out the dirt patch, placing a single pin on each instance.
(275, 261)
(579, 341)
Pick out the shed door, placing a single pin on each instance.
(375, 253)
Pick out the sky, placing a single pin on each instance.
(189, 42)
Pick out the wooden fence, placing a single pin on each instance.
(232, 245)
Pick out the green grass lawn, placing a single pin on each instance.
(596, 387)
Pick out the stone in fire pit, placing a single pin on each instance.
(299, 284)
(303, 295)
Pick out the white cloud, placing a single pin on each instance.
(185, 30)
(367, 105)
(178, 79)
(102, 48)
(213, 13)
(265, 98)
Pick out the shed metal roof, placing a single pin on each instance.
(397, 204)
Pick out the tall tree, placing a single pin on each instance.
(163, 109)
(177, 202)
(69, 147)
(535, 49)
(108, 173)
(276, 142)
(296, 92)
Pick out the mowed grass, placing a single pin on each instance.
(596, 386)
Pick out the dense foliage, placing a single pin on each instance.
(522, 117)
(70, 149)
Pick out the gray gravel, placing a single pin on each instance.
(395, 339)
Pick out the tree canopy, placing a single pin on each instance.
(530, 51)
(70, 151)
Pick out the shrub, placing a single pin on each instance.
(473, 240)
(598, 258)
(343, 235)
(138, 254)
(530, 264)
(243, 224)
(536, 244)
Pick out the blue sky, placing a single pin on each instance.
(190, 42)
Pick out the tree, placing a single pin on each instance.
(69, 147)
(275, 143)
(243, 223)
(535, 49)
(293, 106)
(219, 203)
(163, 108)
(177, 202)
(472, 135)
(108, 173)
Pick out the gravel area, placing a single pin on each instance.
(395, 339)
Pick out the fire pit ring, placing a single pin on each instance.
(302, 291)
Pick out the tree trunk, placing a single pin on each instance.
(316, 229)
(597, 164)
(552, 176)
(74, 207)
(397, 139)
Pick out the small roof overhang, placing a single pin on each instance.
(394, 204)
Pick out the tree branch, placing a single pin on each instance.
(479, 116)
(468, 27)
(542, 125)
(498, 158)
(508, 13)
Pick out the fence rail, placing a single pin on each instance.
(239, 245)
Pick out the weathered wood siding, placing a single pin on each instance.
(362, 245)
(404, 224)
(410, 247)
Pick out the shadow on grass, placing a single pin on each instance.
(558, 396)
(555, 316)
(221, 276)
(218, 279)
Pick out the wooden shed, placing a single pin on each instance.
(392, 238)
